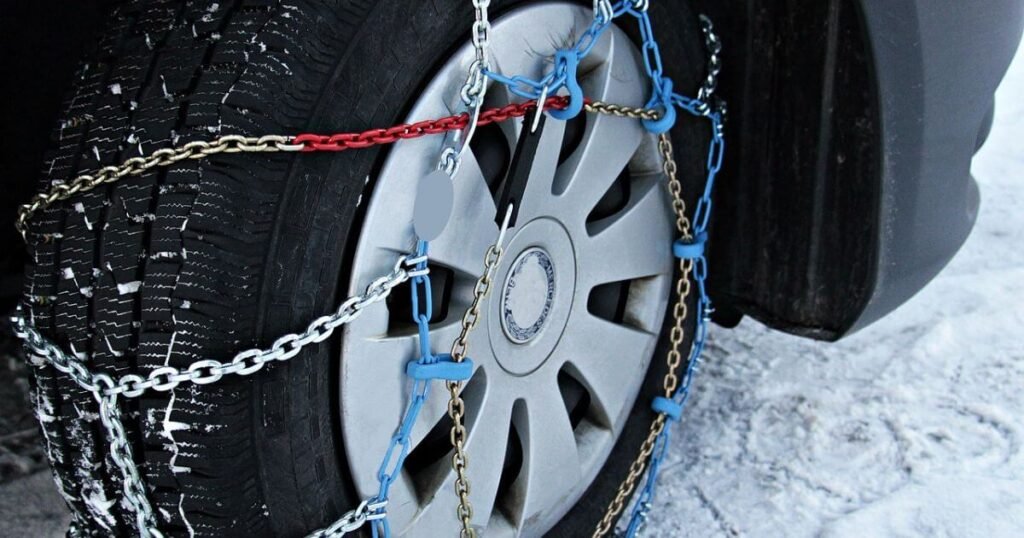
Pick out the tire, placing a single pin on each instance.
(205, 258)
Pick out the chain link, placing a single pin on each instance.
(674, 358)
(121, 454)
(367, 511)
(473, 89)
(655, 445)
(456, 406)
(138, 165)
(622, 111)
(302, 142)
(204, 372)
(713, 46)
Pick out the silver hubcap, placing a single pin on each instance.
(575, 310)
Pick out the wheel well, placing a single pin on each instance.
(796, 221)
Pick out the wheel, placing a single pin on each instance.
(205, 258)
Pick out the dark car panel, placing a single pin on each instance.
(853, 124)
(937, 64)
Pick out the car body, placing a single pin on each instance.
(853, 125)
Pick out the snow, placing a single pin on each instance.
(129, 287)
(912, 427)
(98, 504)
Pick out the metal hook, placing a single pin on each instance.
(541, 101)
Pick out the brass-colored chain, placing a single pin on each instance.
(200, 149)
(456, 406)
(622, 111)
(134, 166)
(674, 357)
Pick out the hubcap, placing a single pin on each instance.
(575, 306)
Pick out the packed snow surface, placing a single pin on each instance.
(912, 427)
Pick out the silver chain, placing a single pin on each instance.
(121, 454)
(476, 84)
(106, 390)
(353, 519)
(713, 46)
(204, 372)
(603, 11)
(473, 90)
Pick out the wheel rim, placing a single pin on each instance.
(573, 318)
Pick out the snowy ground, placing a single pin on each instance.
(912, 427)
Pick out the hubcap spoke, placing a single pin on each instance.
(586, 176)
(609, 142)
(619, 250)
(488, 438)
(538, 200)
(610, 367)
(549, 451)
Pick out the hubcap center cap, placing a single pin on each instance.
(533, 296)
(527, 296)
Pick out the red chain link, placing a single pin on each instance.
(375, 137)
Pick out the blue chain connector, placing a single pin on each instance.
(401, 441)
(690, 249)
(567, 62)
(661, 98)
(445, 369)
(668, 407)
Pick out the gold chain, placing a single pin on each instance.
(200, 149)
(622, 111)
(456, 406)
(674, 357)
(134, 166)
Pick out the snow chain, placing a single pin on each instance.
(658, 116)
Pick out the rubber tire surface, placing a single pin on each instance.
(206, 258)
